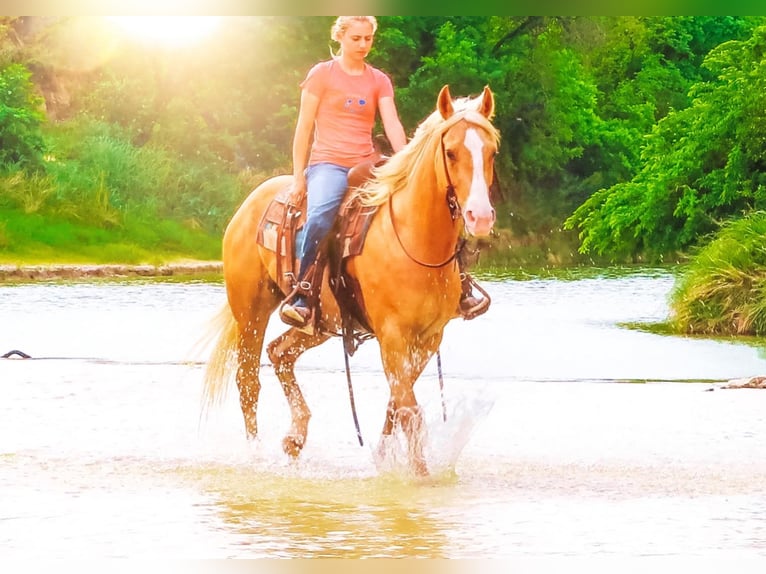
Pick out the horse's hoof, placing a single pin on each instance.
(292, 444)
(251, 428)
(381, 453)
(420, 468)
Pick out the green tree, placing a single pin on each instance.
(701, 165)
(21, 117)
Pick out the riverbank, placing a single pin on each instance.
(23, 273)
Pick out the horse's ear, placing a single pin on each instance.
(444, 102)
(487, 105)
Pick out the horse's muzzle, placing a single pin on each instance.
(479, 222)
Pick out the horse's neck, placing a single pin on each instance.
(423, 216)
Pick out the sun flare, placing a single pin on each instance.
(169, 30)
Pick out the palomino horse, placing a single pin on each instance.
(434, 188)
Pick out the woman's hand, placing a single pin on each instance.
(297, 191)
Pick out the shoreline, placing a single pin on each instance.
(44, 272)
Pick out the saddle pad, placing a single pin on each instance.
(273, 218)
(354, 223)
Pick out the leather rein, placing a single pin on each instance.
(455, 212)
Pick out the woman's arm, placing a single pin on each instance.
(302, 140)
(391, 123)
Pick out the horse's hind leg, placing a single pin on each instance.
(283, 353)
(388, 427)
(252, 305)
(248, 372)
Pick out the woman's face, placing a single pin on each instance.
(357, 40)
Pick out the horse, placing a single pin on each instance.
(435, 188)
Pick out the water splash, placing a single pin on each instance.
(443, 440)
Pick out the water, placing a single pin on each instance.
(549, 449)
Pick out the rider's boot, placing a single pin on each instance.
(470, 306)
(299, 307)
(296, 312)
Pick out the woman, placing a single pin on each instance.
(340, 98)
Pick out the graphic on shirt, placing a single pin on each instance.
(355, 103)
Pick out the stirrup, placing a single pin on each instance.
(480, 307)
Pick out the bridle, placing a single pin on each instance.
(452, 202)
(455, 212)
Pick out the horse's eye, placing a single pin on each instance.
(451, 155)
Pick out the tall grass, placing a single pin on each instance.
(506, 253)
(30, 192)
(99, 176)
(723, 289)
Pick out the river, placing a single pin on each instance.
(567, 434)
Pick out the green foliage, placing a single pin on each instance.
(723, 289)
(700, 165)
(399, 45)
(21, 142)
(8, 41)
(545, 101)
(28, 192)
(576, 97)
(99, 174)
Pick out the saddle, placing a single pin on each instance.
(277, 232)
(280, 230)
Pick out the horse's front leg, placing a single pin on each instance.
(283, 353)
(403, 362)
(410, 417)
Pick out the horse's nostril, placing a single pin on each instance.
(470, 217)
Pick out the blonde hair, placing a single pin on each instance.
(343, 22)
(394, 175)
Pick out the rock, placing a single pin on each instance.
(15, 353)
(746, 383)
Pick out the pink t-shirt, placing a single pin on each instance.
(346, 114)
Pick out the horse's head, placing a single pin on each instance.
(468, 153)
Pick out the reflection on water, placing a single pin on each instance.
(103, 451)
(290, 516)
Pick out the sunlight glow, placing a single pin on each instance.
(168, 30)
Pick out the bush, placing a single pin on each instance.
(101, 176)
(723, 289)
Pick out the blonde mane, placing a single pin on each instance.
(393, 175)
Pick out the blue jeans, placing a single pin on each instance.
(326, 185)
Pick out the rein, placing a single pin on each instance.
(349, 345)
(454, 209)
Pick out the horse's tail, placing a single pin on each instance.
(223, 358)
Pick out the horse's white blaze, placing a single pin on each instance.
(474, 144)
(479, 214)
